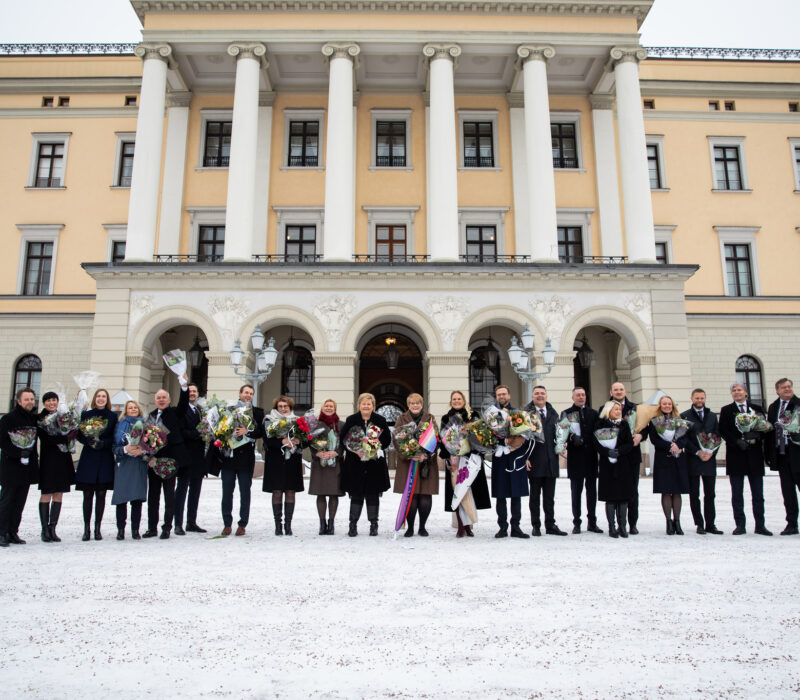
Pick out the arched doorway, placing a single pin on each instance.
(600, 360)
(193, 341)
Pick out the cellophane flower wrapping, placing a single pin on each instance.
(670, 429)
(406, 438)
(520, 423)
(280, 429)
(92, 428)
(496, 419)
(165, 467)
(454, 438)
(790, 424)
(709, 442)
(24, 439)
(325, 441)
(358, 440)
(154, 436)
(242, 417)
(607, 437)
(136, 434)
(481, 437)
(86, 381)
(562, 434)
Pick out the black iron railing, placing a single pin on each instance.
(596, 259)
(290, 259)
(391, 259)
(494, 258)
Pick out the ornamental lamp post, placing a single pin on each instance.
(266, 358)
(521, 357)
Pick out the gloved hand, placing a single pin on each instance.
(576, 440)
(613, 454)
(742, 445)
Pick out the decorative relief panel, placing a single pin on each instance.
(553, 313)
(228, 312)
(334, 313)
(639, 305)
(448, 313)
(141, 306)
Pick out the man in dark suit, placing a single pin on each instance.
(782, 453)
(582, 462)
(190, 476)
(744, 457)
(544, 466)
(702, 465)
(172, 418)
(619, 393)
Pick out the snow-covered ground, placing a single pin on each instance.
(335, 617)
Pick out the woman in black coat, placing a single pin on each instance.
(283, 477)
(365, 479)
(617, 480)
(95, 474)
(459, 408)
(670, 469)
(56, 472)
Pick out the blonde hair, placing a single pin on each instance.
(464, 397)
(138, 408)
(675, 412)
(414, 397)
(366, 397)
(607, 406)
(335, 406)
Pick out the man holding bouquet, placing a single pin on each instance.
(783, 450)
(190, 476)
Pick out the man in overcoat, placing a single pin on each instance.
(190, 476)
(782, 451)
(582, 462)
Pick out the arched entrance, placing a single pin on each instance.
(193, 341)
(600, 360)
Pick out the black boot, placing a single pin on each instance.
(372, 516)
(676, 524)
(97, 534)
(55, 512)
(288, 512)
(323, 527)
(611, 512)
(670, 527)
(355, 514)
(86, 536)
(44, 517)
(120, 533)
(622, 519)
(330, 529)
(277, 513)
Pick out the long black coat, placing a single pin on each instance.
(738, 462)
(480, 487)
(636, 452)
(670, 473)
(544, 461)
(281, 474)
(195, 447)
(56, 468)
(96, 463)
(12, 472)
(792, 452)
(617, 481)
(365, 478)
(582, 460)
(709, 424)
(173, 419)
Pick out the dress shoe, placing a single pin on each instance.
(373, 528)
(536, 531)
(460, 532)
(761, 530)
(353, 530)
(789, 530)
(409, 532)
(739, 530)
(555, 530)
(468, 530)
(120, 533)
(194, 527)
(701, 530)
(516, 532)
(502, 532)
(677, 525)
(14, 538)
(164, 534)
(225, 531)
(712, 530)
(632, 530)
(3, 541)
(576, 530)
(422, 532)
(179, 530)
(150, 533)
(135, 535)
(240, 531)
(594, 528)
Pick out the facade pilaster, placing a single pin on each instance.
(335, 378)
(169, 225)
(539, 154)
(340, 191)
(447, 371)
(636, 199)
(605, 153)
(443, 158)
(146, 174)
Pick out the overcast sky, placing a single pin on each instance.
(721, 23)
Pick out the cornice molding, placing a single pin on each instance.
(71, 85)
(67, 112)
(722, 116)
(707, 53)
(651, 87)
(52, 49)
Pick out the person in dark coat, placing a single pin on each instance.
(190, 475)
(325, 480)
(744, 457)
(365, 479)
(283, 477)
(582, 462)
(544, 466)
(510, 467)
(782, 451)
(56, 471)
(172, 418)
(702, 465)
(239, 467)
(130, 477)
(18, 468)
(616, 478)
(670, 470)
(95, 474)
(460, 410)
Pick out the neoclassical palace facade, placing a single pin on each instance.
(392, 190)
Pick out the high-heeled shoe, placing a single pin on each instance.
(670, 527)
(677, 527)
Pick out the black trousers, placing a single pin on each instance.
(737, 498)
(576, 485)
(12, 503)
(544, 487)
(709, 493)
(633, 504)
(502, 513)
(136, 515)
(790, 483)
(191, 485)
(154, 485)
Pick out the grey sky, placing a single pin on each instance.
(721, 23)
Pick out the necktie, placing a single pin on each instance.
(541, 413)
(700, 415)
(741, 408)
(783, 409)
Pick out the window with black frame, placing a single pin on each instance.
(38, 267)
(661, 253)
(654, 166)
(217, 151)
(211, 244)
(303, 144)
(481, 244)
(117, 251)
(390, 144)
(727, 168)
(125, 164)
(478, 145)
(297, 377)
(50, 165)
(738, 269)
(565, 145)
(484, 373)
(570, 244)
(301, 243)
(27, 373)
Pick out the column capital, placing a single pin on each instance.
(249, 49)
(348, 50)
(601, 101)
(530, 52)
(448, 51)
(179, 98)
(147, 50)
(625, 54)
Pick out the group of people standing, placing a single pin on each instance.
(521, 466)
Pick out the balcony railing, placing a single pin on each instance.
(391, 259)
(303, 161)
(216, 161)
(595, 259)
(390, 161)
(478, 162)
(570, 163)
(297, 259)
(187, 259)
(290, 259)
(494, 258)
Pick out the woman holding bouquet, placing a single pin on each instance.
(56, 471)
(670, 470)
(460, 410)
(365, 475)
(326, 470)
(427, 484)
(130, 478)
(95, 474)
(283, 466)
(616, 471)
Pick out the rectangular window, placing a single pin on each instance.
(125, 164)
(738, 269)
(130, 100)
(727, 168)
(565, 147)
(481, 244)
(390, 144)
(38, 263)
(301, 243)
(713, 106)
(217, 151)
(478, 145)
(794, 106)
(649, 104)
(570, 244)
(653, 166)
(661, 253)
(50, 165)
(730, 106)
(796, 152)
(117, 251)
(63, 101)
(47, 102)
(390, 243)
(303, 144)
(211, 244)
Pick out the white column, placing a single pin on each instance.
(143, 206)
(169, 223)
(340, 192)
(636, 199)
(605, 156)
(539, 153)
(240, 207)
(263, 150)
(443, 160)
(519, 170)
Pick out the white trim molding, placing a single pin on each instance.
(115, 233)
(657, 140)
(210, 115)
(478, 115)
(123, 137)
(730, 142)
(203, 216)
(300, 216)
(305, 115)
(392, 115)
(731, 235)
(47, 137)
(578, 216)
(573, 118)
(43, 233)
(482, 216)
(391, 216)
(663, 234)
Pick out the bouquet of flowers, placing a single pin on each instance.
(154, 436)
(790, 424)
(496, 419)
(325, 442)
(406, 438)
(223, 432)
(176, 361)
(481, 437)
(280, 429)
(520, 423)
(607, 437)
(630, 419)
(749, 423)
(93, 428)
(358, 440)
(137, 432)
(709, 442)
(242, 417)
(165, 467)
(562, 433)
(24, 439)
(62, 423)
(670, 429)
(454, 438)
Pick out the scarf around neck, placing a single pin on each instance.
(330, 421)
